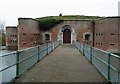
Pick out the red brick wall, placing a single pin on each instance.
(11, 38)
(55, 31)
(29, 33)
(106, 34)
(119, 35)
(80, 28)
(83, 28)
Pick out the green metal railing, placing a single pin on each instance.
(15, 63)
(107, 63)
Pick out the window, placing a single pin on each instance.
(24, 43)
(15, 40)
(47, 37)
(112, 44)
(11, 41)
(24, 34)
(33, 33)
(112, 34)
(87, 37)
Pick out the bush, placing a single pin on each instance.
(47, 23)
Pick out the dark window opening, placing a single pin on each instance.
(24, 34)
(11, 40)
(47, 37)
(87, 37)
(112, 34)
(13, 35)
(112, 44)
(24, 43)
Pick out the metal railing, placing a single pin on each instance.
(15, 63)
(107, 63)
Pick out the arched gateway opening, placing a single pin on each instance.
(66, 36)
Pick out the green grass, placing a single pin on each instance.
(70, 17)
(48, 22)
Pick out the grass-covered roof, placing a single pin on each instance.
(48, 22)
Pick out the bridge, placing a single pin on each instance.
(53, 62)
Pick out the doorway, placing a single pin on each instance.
(66, 36)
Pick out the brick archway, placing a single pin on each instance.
(66, 36)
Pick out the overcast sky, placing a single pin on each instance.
(11, 10)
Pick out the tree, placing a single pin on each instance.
(2, 33)
(60, 14)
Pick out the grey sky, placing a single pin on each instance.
(11, 10)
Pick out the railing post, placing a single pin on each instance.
(83, 50)
(38, 53)
(118, 70)
(53, 45)
(79, 47)
(17, 64)
(91, 54)
(47, 49)
(109, 63)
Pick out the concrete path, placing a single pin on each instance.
(65, 64)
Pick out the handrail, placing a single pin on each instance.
(106, 62)
(25, 58)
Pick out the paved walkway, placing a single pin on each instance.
(65, 64)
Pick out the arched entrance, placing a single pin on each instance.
(66, 36)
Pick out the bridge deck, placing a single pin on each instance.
(64, 64)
